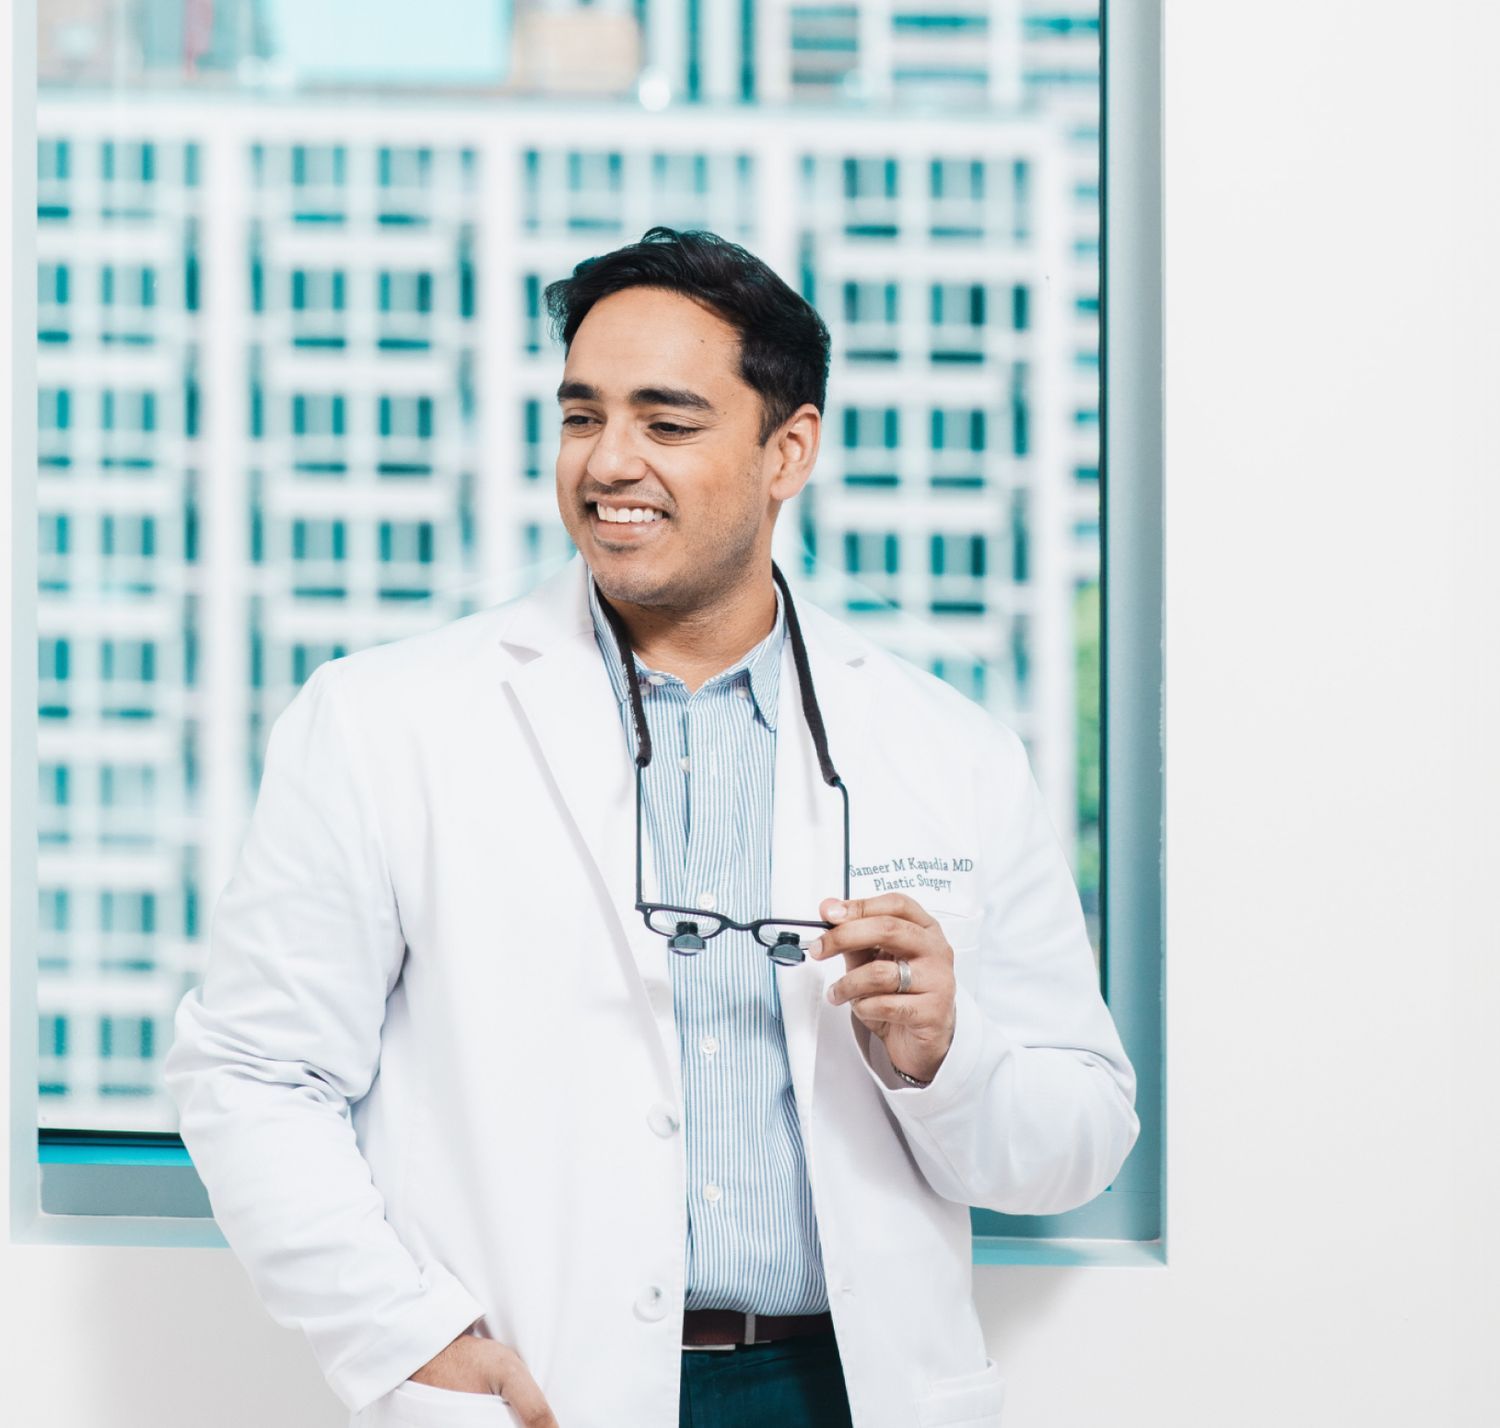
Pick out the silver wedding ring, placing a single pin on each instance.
(904, 969)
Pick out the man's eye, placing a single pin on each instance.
(668, 428)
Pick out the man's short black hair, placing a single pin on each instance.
(784, 344)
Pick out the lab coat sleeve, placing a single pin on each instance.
(304, 947)
(1032, 1110)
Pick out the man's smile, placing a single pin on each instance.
(617, 520)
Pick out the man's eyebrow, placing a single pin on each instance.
(642, 396)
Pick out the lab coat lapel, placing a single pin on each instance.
(568, 706)
(807, 847)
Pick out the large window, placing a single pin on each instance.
(294, 396)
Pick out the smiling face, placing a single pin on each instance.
(661, 480)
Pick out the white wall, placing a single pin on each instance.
(1332, 702)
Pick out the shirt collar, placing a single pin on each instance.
(761, 665)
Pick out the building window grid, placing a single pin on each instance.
(319, 433)
(127, 179)
(53, 284)
(336, 184)
(319, 558)
(1019, 629)
(319, 183)
(404, 302)
(54, 163)
(594, 182)
(871, 320)
(404, 176)
(938, 197)
(317, 307)
(871, 453)
(54, 546)
(406, 553)
(128, 553)
(128, 796)
(824, 43)
(572, 192)
(958, 444)
(405, 427)
(539, 439)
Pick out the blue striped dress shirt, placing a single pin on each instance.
(752, 1235)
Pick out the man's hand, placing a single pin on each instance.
(471, 1364)
(874, 933)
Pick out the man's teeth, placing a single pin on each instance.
(628, 516)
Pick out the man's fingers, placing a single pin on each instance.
(881, 976)
(904, 1010)
(526, 1401)
(474, 1364)
(883, 904)
(512, 1380)
(859, 938)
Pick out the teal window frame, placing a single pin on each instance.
(119, 1188)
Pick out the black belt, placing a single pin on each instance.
(728, 1328)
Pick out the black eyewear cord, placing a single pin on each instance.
(688, 928)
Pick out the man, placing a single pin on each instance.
(504, 1104)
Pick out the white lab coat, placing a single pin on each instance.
(432, 1077)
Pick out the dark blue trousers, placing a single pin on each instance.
(792, 1383)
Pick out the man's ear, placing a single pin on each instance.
(795, 446)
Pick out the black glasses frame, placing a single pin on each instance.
(773, 933)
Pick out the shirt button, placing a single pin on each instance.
(709, 1045)
(712, 1194)
(742, 691)
(663, 1120)
(656, 679)
(685, 762)
(706, 901)
(651, 1302)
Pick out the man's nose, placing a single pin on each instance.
(613, 456)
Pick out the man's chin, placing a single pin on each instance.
(625, 576)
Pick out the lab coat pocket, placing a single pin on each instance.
(420, 1405)
(970, 1400)
(960, 928)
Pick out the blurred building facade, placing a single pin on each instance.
(133, 42)
(295, 398)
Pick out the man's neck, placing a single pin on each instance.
(698, 644)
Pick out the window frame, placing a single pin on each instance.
(121, 1188)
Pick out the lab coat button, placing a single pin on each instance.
(651, 1302)
(663, 1120)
